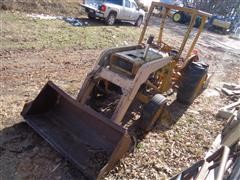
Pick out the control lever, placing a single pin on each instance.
(149, 42)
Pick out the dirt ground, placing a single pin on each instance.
(60, 7)
(161, 154)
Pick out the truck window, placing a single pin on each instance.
(127, 4)
(134, 6)
(118, 2)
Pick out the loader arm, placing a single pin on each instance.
(141, 77)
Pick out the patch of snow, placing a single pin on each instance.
(44, 16)
(211, 93)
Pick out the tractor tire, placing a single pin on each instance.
(198, 22)
(91, 16)
(178, 17)
(139, 21)
(151, 112)
(111, 19)
(192, 83)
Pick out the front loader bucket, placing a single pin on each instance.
(94, 144)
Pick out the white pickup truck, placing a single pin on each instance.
(112, 10)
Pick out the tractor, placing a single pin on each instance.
(92, 131)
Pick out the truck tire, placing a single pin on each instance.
(151, 112)
(91, 16)
(139, 21)
(111, 19)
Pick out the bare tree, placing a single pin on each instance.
(229, 8)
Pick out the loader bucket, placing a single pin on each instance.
(92, 143)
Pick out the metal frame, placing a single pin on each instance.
(201, 169)
(129, 87)
(193, 12)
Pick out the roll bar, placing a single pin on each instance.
(193, 12)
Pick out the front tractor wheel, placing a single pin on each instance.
(152, 112)
(111, 19)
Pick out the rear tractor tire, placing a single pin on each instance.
(177, 17)
(194, 81)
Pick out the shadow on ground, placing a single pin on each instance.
(25, 155)
(169, 117)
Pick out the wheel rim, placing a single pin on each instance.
(111, 19)
(177, 17)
